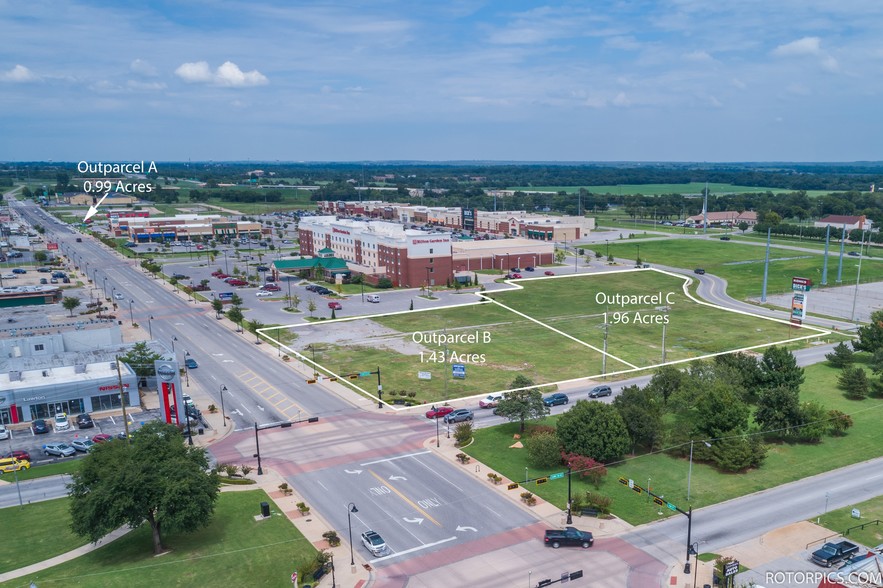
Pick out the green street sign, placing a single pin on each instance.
(671, 506)
(557, 476)
(363, 374)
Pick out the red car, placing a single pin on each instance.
(237, 282)
(549, 273)
(18, 454)
(514, 276)
(335, 305)
(221, 276)
(101, 438)
(437, 412)
(271, 287)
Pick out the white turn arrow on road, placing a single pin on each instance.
(467, 529)
(398, 478)
(353, 471)
(419, 521)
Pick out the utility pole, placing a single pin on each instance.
(122, 398)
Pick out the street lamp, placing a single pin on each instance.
(351, 508)
(664, 309)
(690, 471)
(150, 326)
(223, 415)
(186, 371)
(608, 248)
(435, 414)
(131, 315)
(105, 287)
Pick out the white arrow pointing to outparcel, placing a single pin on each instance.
(419, 521)
(467, 529)
(353, 471)
(94, 208)
(398, 478)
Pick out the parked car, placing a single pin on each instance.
(8, 276)
(569, 536)
(237, 282)
(271, 288)
(852, 253)
(334, 305)
(180, 277)
(528, 269)
(101, 438)
(53, 281)
(44, 269)
(515, 270)
(699, 271)
(263, 268)
(18, 454)
(323, 291)
(62, 423)
(44, 281)
(83, 445)
(599, 391)
(725, 237)
(191, 363)
(439, 411)
(58, 274)
(84, 421)
(4, 433)
(40, 426)
(373, 297)
(461, 414)
(118, 295)
(373, 542)
(12, 464)
(556, 399)
(263, 293)
(59, 449)
(18, 270)
(549, 273)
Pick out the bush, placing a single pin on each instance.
(462, 457)
(528, 498)
(332, 538)
(585, 467)
(302, 507)
(855, 382)
(245, 469)
(384, 283)
(463, 433)
(599, 502)
(543, 450)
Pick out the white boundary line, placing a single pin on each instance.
(819, 332)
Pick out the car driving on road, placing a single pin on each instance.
(373, 542)
(599, 391)
(461, 414)
(437, 412)
(555, 399)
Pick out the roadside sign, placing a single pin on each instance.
(458, 370)
(557, 476)
(424, 375)
(542, 481)
(731, 569)
(363, 374)
(225, 295)
(671, 506)
(512, 486)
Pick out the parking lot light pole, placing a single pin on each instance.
(351, 508)
(223, 415)
(150, 326)
(131, 315)
(257, 445)
(437, 442)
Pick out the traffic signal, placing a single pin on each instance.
(353, 376)
(332, 379)
(542, 481)
(311, 381)
(659, 501)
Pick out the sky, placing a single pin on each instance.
(376, 80)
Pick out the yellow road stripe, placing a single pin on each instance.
(405, 498)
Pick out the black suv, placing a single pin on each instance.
(84, 421)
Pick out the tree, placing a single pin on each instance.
(235, 315)
(737, 453)
(295, 301)
(779, 368)
(543, 450)
(253, 327)
(870, 336)
(719, 410)
(70, 303)
(841, 357)
(778, 410)
(854, 381)
(154, 478)
(40, 256)
(641, 410)
(236, 300)
(743, 226)
(141, 359)
(521, 405)
(585, 467)
(840, 421)
(311, 306)
(559, 256)
(218, 307)
(666, 381)
(593, 429)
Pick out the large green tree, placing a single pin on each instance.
(778, 410)
(720, 410)
(70, 303)
(522, 405)
(593, 429)
(235, 315)
(155, 478)
(141, 359)
(641, 410)
(870, 336)
(779, 368)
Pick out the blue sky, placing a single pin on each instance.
(681, 80)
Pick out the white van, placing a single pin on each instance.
(373, 297)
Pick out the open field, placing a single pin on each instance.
(36, 532)
(657, 189)
(667, 475)
(841, 519)
(234, 548)
(550, 330)
(742, 265)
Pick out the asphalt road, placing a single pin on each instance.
(32, 490)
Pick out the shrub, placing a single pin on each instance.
(538, 429)
(463, 433)
(463, 458)
(494, 478)
(599, 502)
(332, 538)
(229, 469)
(585, 467)
(245, 469)
(384, 283)
(302, 507)
(840, 421)
(543, 450)
(212, 408)
(285, 489)
(528, 498)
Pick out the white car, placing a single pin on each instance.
(263, 293)
(4, 433)
(118, 295)
(9, 276)
(373, 542)
(62, 423)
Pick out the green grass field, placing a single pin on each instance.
(658, 189)
(36, 532)
(551, 330)
(67, 466)
(234, 550)
(871, 510)
(667, 475)
(742, 265)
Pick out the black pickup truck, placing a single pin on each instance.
(832, 553)
(569, 536)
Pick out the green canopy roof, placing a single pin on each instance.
(294, 265)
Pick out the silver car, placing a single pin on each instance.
(59, 449)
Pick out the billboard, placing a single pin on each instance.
(168, 378)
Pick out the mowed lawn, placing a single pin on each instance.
(667, 475)
(742, 265)
(35, 532)
(234, 550)
(550, 331)
(841, 519)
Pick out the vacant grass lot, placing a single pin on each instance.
(742, 265)
(840, 520)
(234, 550)
(657, 189)
(36, 532)
(549, 343)
(667, 475)
(66, 466)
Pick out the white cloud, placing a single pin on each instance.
(800, 47)
(228, 74)
(698, 57)
(145, 86)
(143, 67)
(19, 73)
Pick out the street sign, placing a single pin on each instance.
(363, 374)
(557, 476)
(512, 486)
(671, 506)
(732, 568)
(424, 375)
(458, 370)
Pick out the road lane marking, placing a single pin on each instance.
(367, 463)
(405, 498)
(412, 550)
